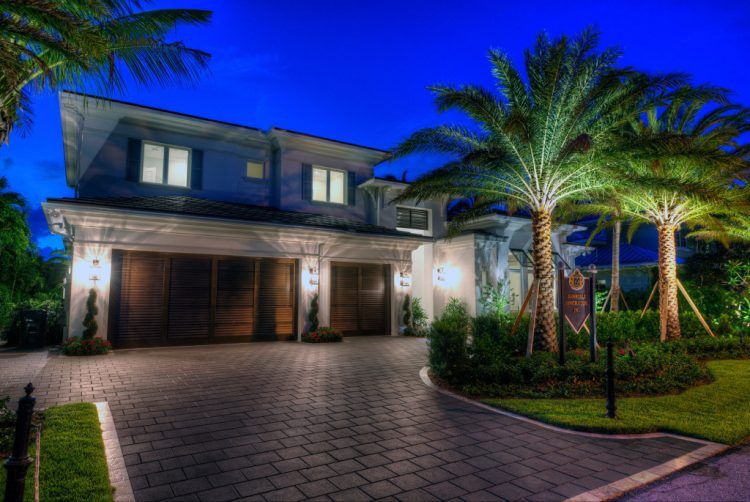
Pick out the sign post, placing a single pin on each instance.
(561, 318)
(592, 304)
(576, 305)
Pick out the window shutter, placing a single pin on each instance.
(306, 182)
(352, 189)
(196, 170)
(133, 161)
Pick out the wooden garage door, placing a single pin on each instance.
(359, 299)
(160, 299)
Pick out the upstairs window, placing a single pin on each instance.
(412, 218)
(254, 170)
(328, 185)
(165, 165)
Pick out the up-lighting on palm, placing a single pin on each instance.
(538, 141)
(686, 167)
(98, 45)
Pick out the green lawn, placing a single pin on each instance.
(718, 412)
(74, 466)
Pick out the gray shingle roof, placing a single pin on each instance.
(192, 206)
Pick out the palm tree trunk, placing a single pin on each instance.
(614, 295)
(668, 306)
(544, 273)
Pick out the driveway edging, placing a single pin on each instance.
(118, 474)
(616, 488)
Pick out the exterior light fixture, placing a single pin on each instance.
(441, 274)
(94, 276)
(405, 280)
(314, 276)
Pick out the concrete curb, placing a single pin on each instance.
(118, 474)
(619, 487)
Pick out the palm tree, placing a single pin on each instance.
(607, 206)
(97, 45)
(686, 168)
(537, 143)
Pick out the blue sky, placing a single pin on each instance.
(357, 71)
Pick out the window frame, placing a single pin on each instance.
(419, 231)
(328, 171)
(165, 167)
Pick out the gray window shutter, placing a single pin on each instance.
(306, 182)
(352, 189)
(133, 161)
(196, 170)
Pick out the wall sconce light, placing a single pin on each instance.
(314, 276)
(441, 274)
(94, 271)
(405, 280)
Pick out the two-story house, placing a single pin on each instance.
(194, 230)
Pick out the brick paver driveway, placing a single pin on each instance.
(349, 421)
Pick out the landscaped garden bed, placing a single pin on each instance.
(322, 335)
(73, 463)
(679, 386)
(718, 412)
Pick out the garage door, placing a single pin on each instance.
(359, 299)
(170, 299)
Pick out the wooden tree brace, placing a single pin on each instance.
(650, 297)
(695, 309)
(606, 299)
(532, 323)
(523, 308)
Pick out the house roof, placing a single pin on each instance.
(630, 256)
(192, 206)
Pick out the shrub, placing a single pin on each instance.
(648, 370)
(52, 305)
(312, 316)
(90, 326)
(418, 319)
(448, 342)
(406, 309)
(322, 335)
(81, 347)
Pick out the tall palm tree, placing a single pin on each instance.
(537, 142)
(686, 167)
(96, 45)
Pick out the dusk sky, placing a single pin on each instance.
(357, 71)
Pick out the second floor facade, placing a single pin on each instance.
(118, 149)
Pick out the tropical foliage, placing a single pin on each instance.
(27, 280)
(95, 45)
(537, 142)
(684, 166)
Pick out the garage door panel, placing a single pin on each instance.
(138, 312)
(359, 298)
(276, 292)
(162, 299)
(189, 297)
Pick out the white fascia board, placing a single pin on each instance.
(138, 221)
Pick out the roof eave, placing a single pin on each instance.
(62, 204)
